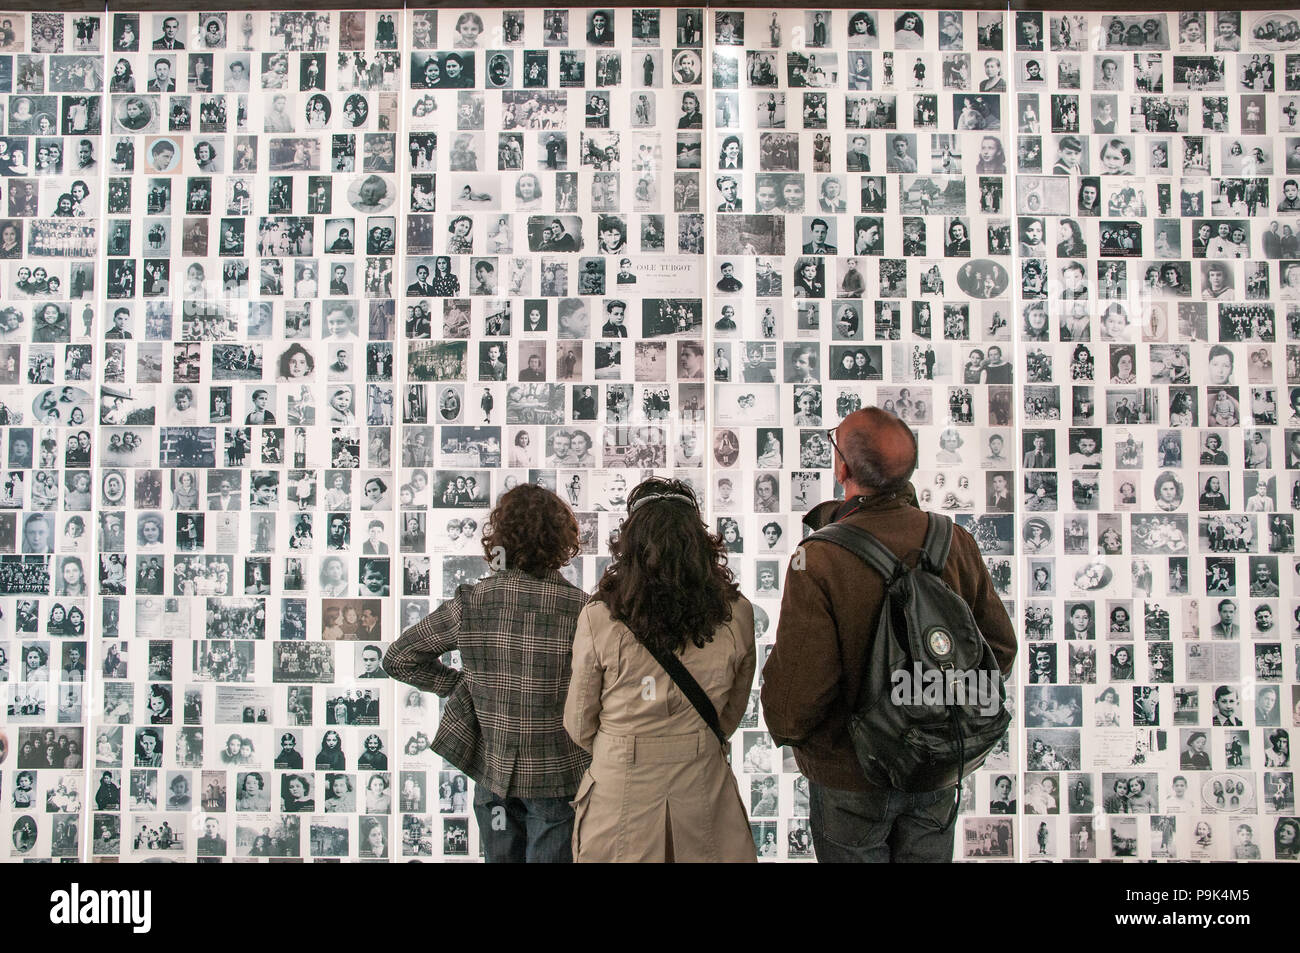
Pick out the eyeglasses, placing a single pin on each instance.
(830, 435)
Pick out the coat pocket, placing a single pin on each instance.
(581, 801)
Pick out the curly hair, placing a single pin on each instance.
(668, 581)
(534, 528)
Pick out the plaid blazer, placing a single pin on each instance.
(503, 721)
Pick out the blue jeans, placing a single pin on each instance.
(517, 830)
(880, 826)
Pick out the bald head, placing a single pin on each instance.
(878, 452)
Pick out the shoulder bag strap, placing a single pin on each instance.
(863, 545)
(689, 687)
(938, 541)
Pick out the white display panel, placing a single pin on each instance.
(50, 283)
(1154, 217)
(318, 287)
(553, 300)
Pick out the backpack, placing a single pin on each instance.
(927, 651)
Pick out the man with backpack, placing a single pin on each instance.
(831, 686)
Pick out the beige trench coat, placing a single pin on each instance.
(659, 788)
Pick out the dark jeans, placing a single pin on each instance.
(517, 830)
(880, 826)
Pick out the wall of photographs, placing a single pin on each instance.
(868, 235)
(1155, 231)
(318, 287)
(52, 160)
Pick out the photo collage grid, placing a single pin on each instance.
(343, 278)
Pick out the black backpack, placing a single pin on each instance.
(926, 639)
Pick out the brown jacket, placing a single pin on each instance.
(829, 615)
(659, 787)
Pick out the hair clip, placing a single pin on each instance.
(677, 497)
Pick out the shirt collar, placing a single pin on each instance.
(823, 514)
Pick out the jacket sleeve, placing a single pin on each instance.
(413, 658)
(738, 698)
(586, 684)
(802, 676)
(987, 608)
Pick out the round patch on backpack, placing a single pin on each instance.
(940, 643)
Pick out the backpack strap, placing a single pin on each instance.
(938, 541)
(689, 687)
(863, 545)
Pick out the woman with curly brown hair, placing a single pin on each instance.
(502, 722)
(659, 788)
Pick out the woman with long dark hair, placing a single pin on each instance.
(1286, 839)
(331, 757)
(123, 80)
(659, 787)
(1213, 497)
(502, 721)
